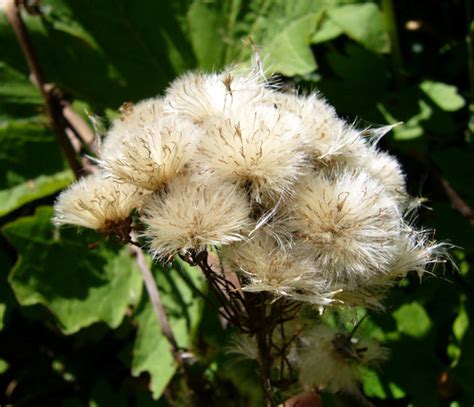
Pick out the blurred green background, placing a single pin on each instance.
(76, 327)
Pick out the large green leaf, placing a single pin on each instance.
(105, 52)
(79, 286)
(25, 173)
(280, 30)
(152, 352)
(210, 31)
(289, 52)
(328, 30)
(363, 23)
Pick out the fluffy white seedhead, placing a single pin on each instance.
(131, 118)
(417, 252)
(327, 137)
(267, 266)
(97, 203)
(347, 223)
(190, 214)
(153, 152)
(259, 148)
(383, 167)
(333, 361)
(199, 96)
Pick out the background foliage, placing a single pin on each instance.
(76, 327)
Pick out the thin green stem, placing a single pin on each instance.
(396, 53)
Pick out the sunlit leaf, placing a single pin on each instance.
(443, 95)
(363, 23)
(289, 52)
(412, 320)
(327, 31)
(44, 185)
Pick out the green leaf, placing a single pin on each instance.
(289, 52)
(205, 19)
(372, 385)
(461, 324)
(79, 286)
(328, 30)
(25, 174)
(7, 301)
(152, 352)
(282, 31)
(412, 128)
(44, 185)
(412, 320)
(363, 23)
(3, 366)
(445, 96)
(104, 395)
(141, 50)
(18, 97)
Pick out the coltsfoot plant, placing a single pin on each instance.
(302, 209)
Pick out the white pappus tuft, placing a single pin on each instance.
(190, 214)
(256, 147)
(97, 203)
(151, 153)
(199, 96)
(346, 223)
(265, 265)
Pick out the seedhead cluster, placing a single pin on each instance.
(297, 203)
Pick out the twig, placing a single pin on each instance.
(456, 201)
(75, 121)
(159, 310)
(52, 104)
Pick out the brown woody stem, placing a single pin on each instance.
(52, 102)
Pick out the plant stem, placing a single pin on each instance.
(52, 102)
(395, 51)
(256, 308)
(159, 310)
(245, 310)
